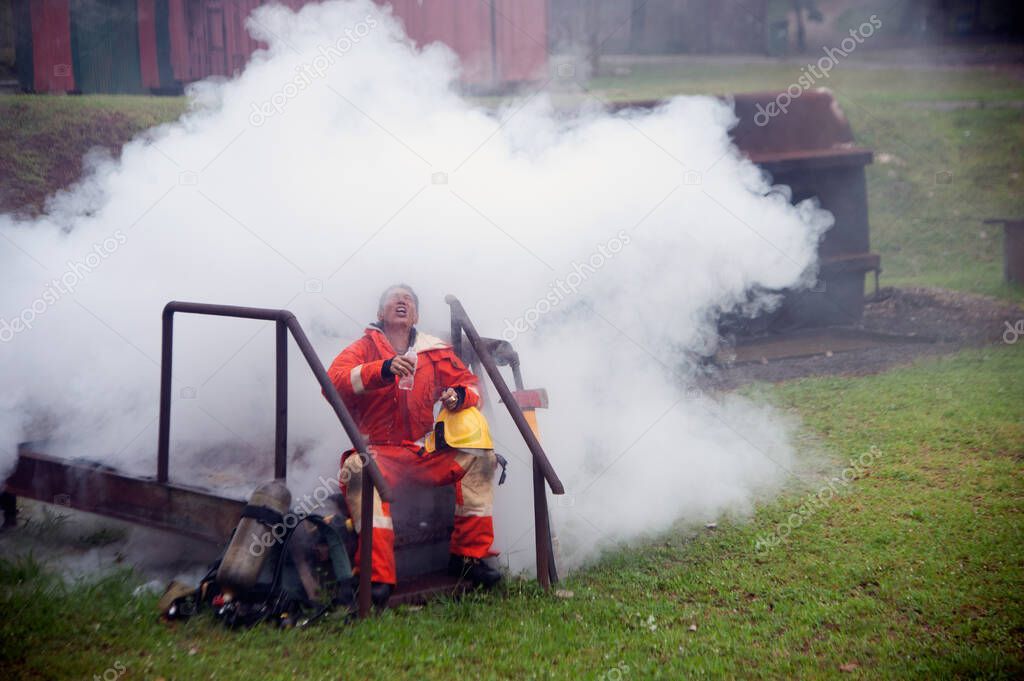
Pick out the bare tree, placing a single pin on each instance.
(801, 30)
(592, 28)
(924, 16)
(637, 23)
(800, 7)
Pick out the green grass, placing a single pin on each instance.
(43, 139)
(915, 569)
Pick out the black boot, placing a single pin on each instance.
(473, 569)
(380, 593)
(345, 598)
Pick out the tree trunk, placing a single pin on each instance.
(593, 32)
(801, 30)
(637, 24)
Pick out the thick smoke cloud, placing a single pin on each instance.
(341, 161)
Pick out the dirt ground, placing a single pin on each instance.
(898, 327)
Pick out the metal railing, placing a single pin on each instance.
(284, 321)
(542, 469)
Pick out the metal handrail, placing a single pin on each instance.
(285, 321)
(542, 469)
(459, 314)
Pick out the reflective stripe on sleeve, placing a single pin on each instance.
(464, 510)
(356, 378)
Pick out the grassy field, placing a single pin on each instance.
(915, 569)
(43, 139)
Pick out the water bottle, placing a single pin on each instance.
(406, 382)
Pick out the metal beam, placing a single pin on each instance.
(174, 508)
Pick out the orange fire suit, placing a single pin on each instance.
(394, 422)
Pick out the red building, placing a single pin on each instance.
(138, 46)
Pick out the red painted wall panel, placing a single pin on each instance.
(522, 31)
(406, 11)
(208, 37)
(177, 27)
(471, 40)
(464, 26)
(212, 16)
(240, 45)
(51, 46)
(148, 66)
(294, 4)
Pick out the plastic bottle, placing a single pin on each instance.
(407, 382)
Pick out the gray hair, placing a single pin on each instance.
(389, 289)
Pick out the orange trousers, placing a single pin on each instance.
(471, 473)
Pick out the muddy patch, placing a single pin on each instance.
(899, 326)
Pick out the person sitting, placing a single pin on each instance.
(390, 380)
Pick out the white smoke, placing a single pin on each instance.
(341, 161)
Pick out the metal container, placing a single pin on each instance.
(43, 46)
(1013, 249)
(160, 45)
(499, 43)
(105, 46)
(254, 539)
(810, 148)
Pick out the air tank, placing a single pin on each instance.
(255, 537)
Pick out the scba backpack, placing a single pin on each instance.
(305, 575)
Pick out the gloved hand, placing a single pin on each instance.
(399, 365)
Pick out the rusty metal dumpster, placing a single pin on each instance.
(811, 149)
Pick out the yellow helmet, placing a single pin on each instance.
(465, 429)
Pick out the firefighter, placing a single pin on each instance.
(373, 377)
